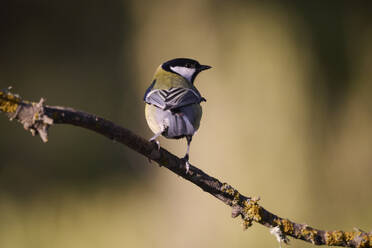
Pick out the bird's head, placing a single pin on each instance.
(187, 68)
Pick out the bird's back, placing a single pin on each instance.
(166, 80)
(179, 121)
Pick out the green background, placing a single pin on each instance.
(288, 118)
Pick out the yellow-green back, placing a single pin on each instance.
(166, 80)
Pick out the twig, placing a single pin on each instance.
(37, 117)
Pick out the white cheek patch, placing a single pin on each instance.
(184, 71)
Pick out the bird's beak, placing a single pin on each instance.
(204, 67)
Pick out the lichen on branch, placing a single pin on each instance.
(8, 102)
(37, 117)
(30, 114)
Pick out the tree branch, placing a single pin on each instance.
(37, 118)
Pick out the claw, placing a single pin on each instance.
(153, 140)
(157, 143)
(187, 166)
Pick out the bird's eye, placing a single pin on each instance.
(189, 65)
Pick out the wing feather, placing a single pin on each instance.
(173, 98)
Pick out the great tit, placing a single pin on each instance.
(173, 102)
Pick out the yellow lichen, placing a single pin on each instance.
(285, 225)
(228, 189)
(334, 238)
(236, 198)
(308, 233)
(246, 224)
(349, 236)
(8, 102)
(364, 241)
(252, 211)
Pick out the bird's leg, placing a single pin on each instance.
(186, 158)
(154, 139)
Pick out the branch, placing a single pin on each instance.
(37, 118)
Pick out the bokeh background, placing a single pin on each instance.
(288, 118)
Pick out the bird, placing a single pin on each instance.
(172, 102)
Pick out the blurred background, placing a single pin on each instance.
(294, 126)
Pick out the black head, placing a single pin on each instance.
(187, 68)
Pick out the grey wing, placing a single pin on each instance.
(173, 98)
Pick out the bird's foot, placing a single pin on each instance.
(153, 140)
(187, 164)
